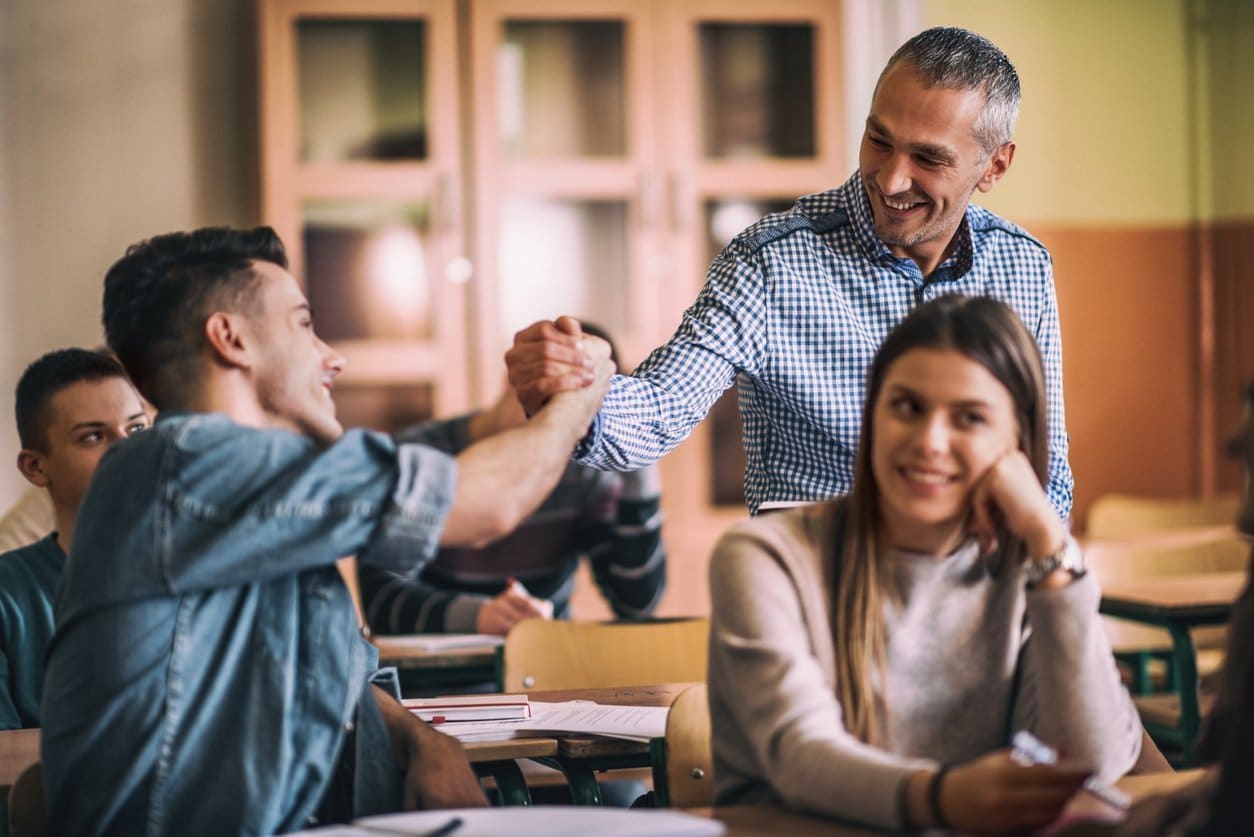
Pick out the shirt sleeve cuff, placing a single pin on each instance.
(409, 531)
(462, 614)
(590, 442)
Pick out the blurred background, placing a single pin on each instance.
(445, 172)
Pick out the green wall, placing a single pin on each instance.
(1103, 136)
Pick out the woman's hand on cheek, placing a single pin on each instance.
(1009, 494)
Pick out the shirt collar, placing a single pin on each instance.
(858, 206)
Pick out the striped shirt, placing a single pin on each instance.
(611, 519)
(793, 310)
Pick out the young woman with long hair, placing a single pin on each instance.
(872, 656)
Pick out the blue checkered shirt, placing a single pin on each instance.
(794, 309)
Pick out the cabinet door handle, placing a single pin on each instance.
(447, 209)
(680, 201)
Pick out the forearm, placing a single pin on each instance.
(648, 413)
(1070, 693)
(504, 478)
(396, 604)
(403, 728)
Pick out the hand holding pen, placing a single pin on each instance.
(1028, 750)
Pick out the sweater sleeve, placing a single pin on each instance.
(1070, 694)
(776, 718)
(400, 604)
(625, 548)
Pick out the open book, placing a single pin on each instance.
(462, 708)
(633, 723)
(402, 644)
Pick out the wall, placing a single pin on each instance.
(1228, 29)
(120, 120)
(1106, 174)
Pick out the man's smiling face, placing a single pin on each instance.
(920, 162)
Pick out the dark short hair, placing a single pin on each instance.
(959, 59)
(45, 378)
(157, 297)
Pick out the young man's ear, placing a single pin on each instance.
(228, 340)
(31, 464)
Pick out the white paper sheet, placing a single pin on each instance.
(435, 643)
(543, 821)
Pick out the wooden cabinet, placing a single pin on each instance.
(361, 175)
(446, 173)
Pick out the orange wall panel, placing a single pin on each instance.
(1127, 301)
(1233, 271)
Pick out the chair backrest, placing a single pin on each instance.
(1125, 517)
(555, 654)
(1131, 559)
(26, 803)
(689, 759)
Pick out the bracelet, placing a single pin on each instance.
(933, 797)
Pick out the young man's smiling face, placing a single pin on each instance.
(293, 369)
(920, 162)
(82, 421)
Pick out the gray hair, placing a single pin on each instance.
(960, 59)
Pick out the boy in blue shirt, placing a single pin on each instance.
(71, 405)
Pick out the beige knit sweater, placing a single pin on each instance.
(956, 644)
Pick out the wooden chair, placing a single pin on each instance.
(683, 775)
(27, 817)
(19, 749)
(1126, 517)
(542, 654)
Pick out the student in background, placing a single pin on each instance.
(612, 519)
(207, 675)
(871, 656)
(71, 405)
(1220, 803)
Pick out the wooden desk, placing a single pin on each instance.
(1177, 603)
(746, 820)
(579, 757)
(424, 673)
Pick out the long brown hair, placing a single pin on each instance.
(991, 334)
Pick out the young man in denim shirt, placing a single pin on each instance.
(207, 674)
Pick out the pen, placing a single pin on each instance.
(446, 829)
(1028, 749)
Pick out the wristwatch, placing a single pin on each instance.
(1068, 557)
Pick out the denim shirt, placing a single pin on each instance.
(206, 665)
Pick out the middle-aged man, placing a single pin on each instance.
(796, 306)
(207, 675)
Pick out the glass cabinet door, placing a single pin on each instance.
(361, 177)
(754, 123)
(563, 99)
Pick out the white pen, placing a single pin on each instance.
(1028, 749)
